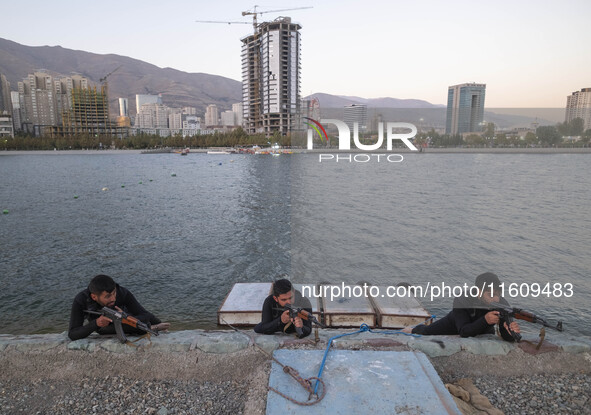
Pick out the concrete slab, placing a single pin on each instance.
(87, 345)
(175, 341)
(348, 311)
(488, 344)
(242, 306)
(434, 346)
(268, 342)
(361, 382)
(219, 342)
(228, 341)
(39, 342)
(398, 312)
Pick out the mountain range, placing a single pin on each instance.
(132, 76)
(129, 77)
(339, 101)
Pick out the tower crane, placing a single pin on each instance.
(105, 93)
(104, 78)
(254, 13)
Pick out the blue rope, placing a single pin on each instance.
(363, 328)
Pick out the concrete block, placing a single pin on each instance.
(487, 344)
(572, 346)
(434, 346)
(5, 341)
(115, 346)
(37, 342)
(268, 343)
(175, 341)
(87, 345)
(222, 342)
(569, 343)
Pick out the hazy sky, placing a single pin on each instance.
(529, 53)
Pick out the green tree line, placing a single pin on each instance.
(544, 136)
(237, 137)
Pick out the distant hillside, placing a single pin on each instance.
(339, 101)
(134, 77)
(429, 115)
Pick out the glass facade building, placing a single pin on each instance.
(465, 108)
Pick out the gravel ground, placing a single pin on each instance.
(119, 395)
(73, 383)
(556, 383)
(538, 394)
(66, 382)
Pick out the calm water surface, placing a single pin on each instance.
(180, 231)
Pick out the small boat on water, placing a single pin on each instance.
(185, 151)
(218, 152)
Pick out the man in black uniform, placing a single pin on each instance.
(104, 292)
(275, 319)
(472, 316)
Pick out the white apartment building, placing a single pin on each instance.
(228, 119)
(212, 115)
(578, 105)
(6, 127)
(152, 116)
(238, 109)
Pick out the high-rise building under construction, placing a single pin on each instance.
(88, 112)
(271, 77)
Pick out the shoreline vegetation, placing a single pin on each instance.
(554, 138)
(442, 150)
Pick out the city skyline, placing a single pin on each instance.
(524, 52)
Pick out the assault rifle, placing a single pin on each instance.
(509, 313)
(303, 314)
(121, 317)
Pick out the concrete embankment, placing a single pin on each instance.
(228, 341)
(197, 371)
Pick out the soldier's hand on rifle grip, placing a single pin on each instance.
(492, 317)
(514, 327)
(298, 322)
(103, 321)
(285, 317)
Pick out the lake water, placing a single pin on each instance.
(180, 231)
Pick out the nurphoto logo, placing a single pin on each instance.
(345, 140)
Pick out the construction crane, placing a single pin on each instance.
(104, 78)
(105, 97)
(254, 13)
